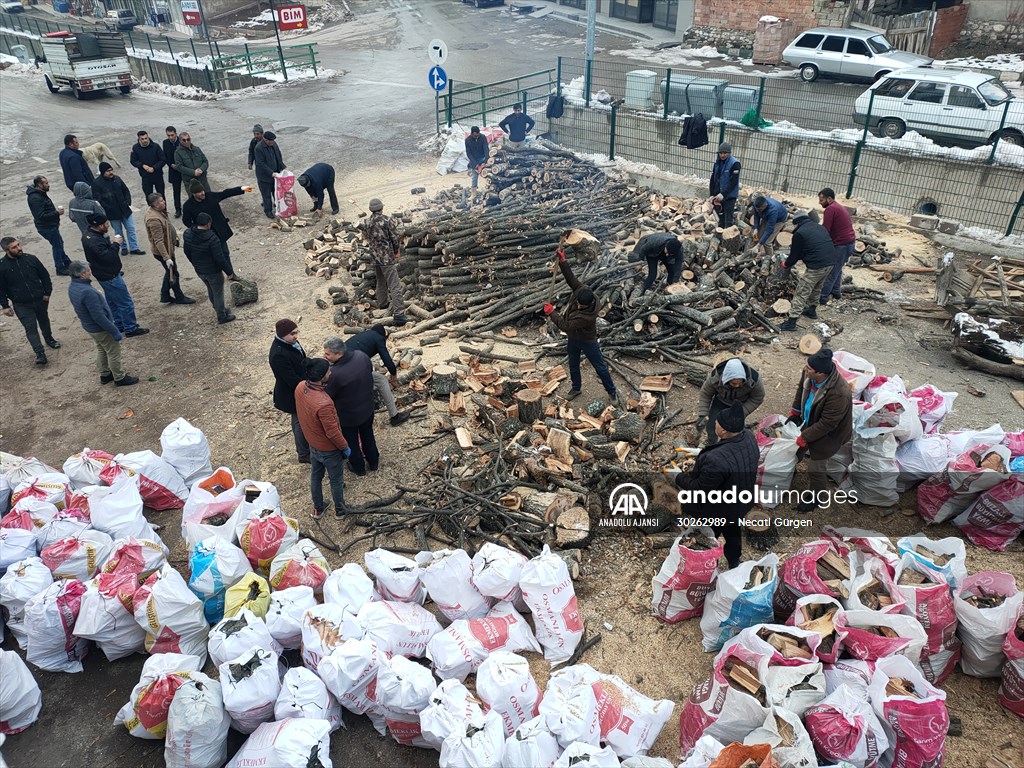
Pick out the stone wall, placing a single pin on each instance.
(731, 23)
(1008, 33)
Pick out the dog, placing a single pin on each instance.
(97, 153)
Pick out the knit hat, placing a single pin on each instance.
(585, 297)
(733, 370)
(674, 247)
(799, 216)
(257, 128)
(376, 205)
(475, 129)
(821, 361)
(283, 327)
(731, 419)
(270, 136)
(316, 368)
(304, 180)
(104, 167)
(95, 219)
(195, 186)
(725, 147)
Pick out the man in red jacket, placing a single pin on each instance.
(837, 221)
(327, 446)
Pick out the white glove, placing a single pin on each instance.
(719, 197)
(169, 262)
(671, 472)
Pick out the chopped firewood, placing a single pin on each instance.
(935, 557)
(984, 600)
(1019, 628)
(786, 733)
(748, 762)
(834, 563)
(790, 647)
(456, 404)
(558, 441)
(837, 587)
(759, 574)
(744, 678)
(824, 625)
(874, 595)
(912, 578)
(882, 631)
(900, 686)
(465, 438)
(656, 383)
(622, 450)
(697, 542)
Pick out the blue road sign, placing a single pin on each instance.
(437, 78)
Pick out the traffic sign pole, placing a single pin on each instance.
(277, 34)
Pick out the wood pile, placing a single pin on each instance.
(900, 686)
(788, 646)
(743, 677)
(874, 595)
(984, 599)
(820, 618)
(992, 287)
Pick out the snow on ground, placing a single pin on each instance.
(1003, 62)
(14, 67)
(991, 236)
(262, 20)
(175, 92)
(684, 57)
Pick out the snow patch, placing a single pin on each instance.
(1002, 62)
(991, 236)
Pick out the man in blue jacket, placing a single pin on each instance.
(516, 126)
(478, 152)
(97, 320)
(72, 163)
(317, 179)
(725, 185)
(770, 217)
(812, 244)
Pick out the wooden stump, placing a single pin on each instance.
(444, 380)
(572, 528)
(732, 239)
(809, 344)
(559, 441)
(782, 307)
(626, 428)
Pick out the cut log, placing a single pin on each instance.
(661, 383)
(572, 528)
(781, 307)
(559, 441)
(444, 380)
(457, 404)
(531, 405)
(465, 438)
(732, 239)
(626, 428)
(809, 344)
(893, 276)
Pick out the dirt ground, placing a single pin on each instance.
(217, 377)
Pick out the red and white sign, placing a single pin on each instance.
(291, 17)
(190, 12)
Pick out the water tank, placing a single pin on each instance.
(640, 88)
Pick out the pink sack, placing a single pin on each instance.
(843, 727)
(933, 406)
(860, 643)
(951, 491)
(916, 726)
(1011, 688)
(931, 604)
(284, 194)
(799, 576)
(1015, 442)
(996, 518)
(685, 579)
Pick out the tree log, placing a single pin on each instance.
(443, 381)
(626, 428)
(531, 405)
(572, 528)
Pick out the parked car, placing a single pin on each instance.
(957, 106)
(850, 54)
(122, 19)
(484, 3)
(12, 6)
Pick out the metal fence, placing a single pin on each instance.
(488, 104)
(789, 137)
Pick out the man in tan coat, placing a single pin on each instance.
(163, 238)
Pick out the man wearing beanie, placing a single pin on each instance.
(479, 152)
(385, 248)
(823, 407)
(149, 159)
(660, 248)
(725, 185)
(327, 446)
(731, 381)
(812, 245)
(113, 195)
(287, 361)
(316, 180)
(257, 137)
(106, 267)
(210, 259)
(269, 163)
(730, 464)
(579, 322)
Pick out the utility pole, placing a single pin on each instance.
(277, 34)
(591, 24)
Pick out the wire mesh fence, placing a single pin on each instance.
(472, 103)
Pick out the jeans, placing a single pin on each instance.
(301, 444)
(807, 288)
(215, 290)
(121, 304)
(363, 444)
(474, 176)
(674, 268)
(383, 387)
(334, 464)
(131, 242)
(593, 352)
(727, 213)
(834, 282)
(152, 182)
(267, 193)
(52, 236)
(769, 244)
(32, 315)
(108, 355)
(170, 288)
(175, 181)
(389, 285)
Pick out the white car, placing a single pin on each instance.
(953, 105)
(850, 54)
(12, 6)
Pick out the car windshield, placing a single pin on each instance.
(994, 92)
(879, 44)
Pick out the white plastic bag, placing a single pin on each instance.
(451, 706)
(703, 753)
(479, 743)
(250, 686)
(117, 510)
(796, 689)
(857, 371)
(51, 487)
(349, 586)
(549, 593)
(717, 709)
(20, 698)
(917, 460)
(983, 630)
(874, 471)
(31, 514)
(292, 743)
(532, 744)
(17, 469)
(171, 615)
(397, 576)
(497, 571)
(777, 459)
(106, 615)
(83, 468)
(212, 507)
(403, 691)
(139, 556)
(321, 632)
(23, 580)
(16, 544)
(145, 712)
(585, 755)
(49, 625)
(284, 617)
(918, 546)
(447, 576)
(160, 486)
(185, 448)
(569, 708)
(301, 564)
(505, 685)
(216, 564)
(732, 607)
(232, 637)
(799, 754)
(915, 725)
(855, 674)
(843, 727)
(402, 629)
(197, 725)
(933, 406)
(458, 650)
(303, 694)
(350, 674)
(78, 558)
(630, 721)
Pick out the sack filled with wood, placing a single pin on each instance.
(986, 606)
(16, 544)
(855, 674)
(264, 536)
(1011, 687)
(397, 576)
(817, 614)
(996, 518)
(531, 744)
(686, 575)
(460, 649)
(303, 694)
(403, 629)
(912, 712)
(929, 598)
(582, 753)
(171, 615)
(785, 734)
(145, 713)
(197, 725)
(451, 706)
(944, 559)
(776, 441)
(21, 581)
(858, 541)
(106, 615)
(212, 508)
(817, 568)
(292, 743)
(873, 635)
(284, 615)
(569, 708)
(742, 598)
(67, 523)
(322, 632)
(447, 576)
(505, 685)
(844, 728)
(234, 636)
(243, 292)
(955, 488)
(30, 514)
(873, 588)
(917, 460)
(403, 691)
(496, 572)
(250, 685)
(350, 674)
(480, 741)
(251, 591)
(548, 591)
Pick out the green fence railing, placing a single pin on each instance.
(480, 103)
(269, 61)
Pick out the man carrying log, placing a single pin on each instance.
(769, 218)
(725, 185)
(729, 383)
(839, 226)
(663, 248)
(579, 322)
(382, 237)
(813, 246)
(823, 407)
(728, 465)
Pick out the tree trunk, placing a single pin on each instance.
(443, 381)
(572, 528)
(627, 428)
(531, 405)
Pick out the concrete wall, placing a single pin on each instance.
(995, 10)
(975, 194)
(732, 22)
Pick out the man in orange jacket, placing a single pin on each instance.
(327, 446)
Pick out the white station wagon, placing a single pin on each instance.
(955, 105)
(846, 53)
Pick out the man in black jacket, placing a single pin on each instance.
(660, 248)
(317, 179)
(351, 389)
(46, 217)
(150, 160)
(812, 244)
(721, 483)
(210, 259)
(287, 362)
(269, 163)
(25, 283)
(257, 137)
(201, 201)
(115, 198)
(374, 342)
(103, 258)
(171, 145)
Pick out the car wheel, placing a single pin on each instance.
(808, 73)
(125, 89)
(1012, 137)
(49, 84)
(880, 75)
(891, 128)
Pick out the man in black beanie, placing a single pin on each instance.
(823, 407)
(730, 465)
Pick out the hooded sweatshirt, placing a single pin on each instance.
(82, 205)
(44, 212)
(579, 323)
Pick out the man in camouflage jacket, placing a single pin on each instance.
(382, 236)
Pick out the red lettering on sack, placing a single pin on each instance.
(492, 633)
(609, 711)
(571, 616)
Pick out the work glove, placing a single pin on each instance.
(549, 308)
(346, 452)
(800, 441)
(561, 255)
(719, 197)
(671, 471)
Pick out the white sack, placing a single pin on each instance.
(505, 685)
(799, 754)
(171, 615)
(459, 649)
(284, 617)
(402, 629)
(301, 564)
(49, 625)
(983, 630)
(321, 632)
(80, 557)
(397, 576)
(186, 449)
(106, 615)
(160, 486)
(447, 576)
(479, 743)
(23, 580)
(569, 708)
(20, 698)
(83, 468)
(303, 694)
(15, 544)
(497, 571)
(292, 743)
(349, 586)
(250, 685)
(451, 706)
(532, 744)
(159, 680)
(232, 637)
(549, 593)
(585, 755)
(197, 725)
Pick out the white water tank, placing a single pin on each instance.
(640, 88)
